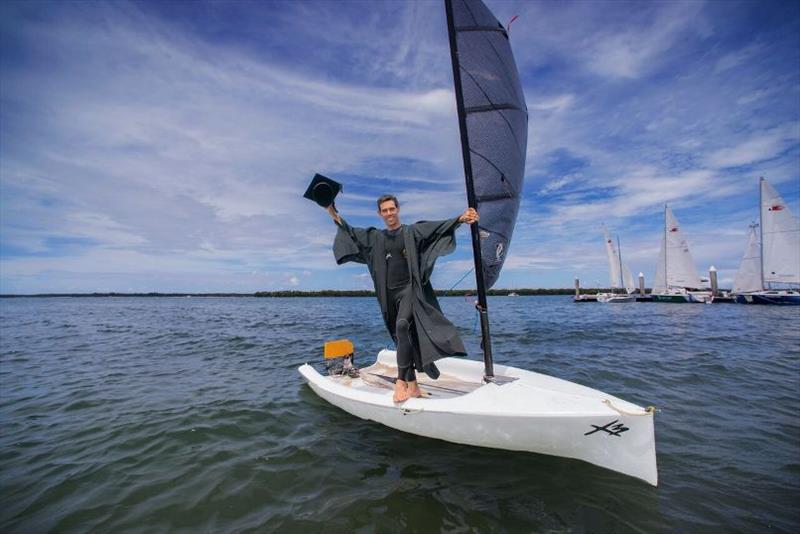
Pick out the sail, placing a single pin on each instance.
(681, 271)
(748, 277)
(780, 235)
(627, 279)
(660, 281)
(613, 260)
(493, 120)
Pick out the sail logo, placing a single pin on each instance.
(776, 207)
(498, 251)
(614, 428)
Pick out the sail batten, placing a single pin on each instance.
(497, 29)
(492, 107)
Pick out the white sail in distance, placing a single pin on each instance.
(780, 237)
(627, 278)
(618, 273)
(748, 277)
(613, 260)
(681, 271)
(660, 281)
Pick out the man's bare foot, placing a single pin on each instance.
(413, 389)
(400, 391)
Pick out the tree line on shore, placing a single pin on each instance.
(439, 292)
(321, 293)
(284, 293)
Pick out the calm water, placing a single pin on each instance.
(160, 414)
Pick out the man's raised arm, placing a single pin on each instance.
(334, 214)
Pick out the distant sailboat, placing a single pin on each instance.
(748, 277)
(619, 274)
(676, 275)
(773, 259)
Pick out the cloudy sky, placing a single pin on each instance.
(165, 146)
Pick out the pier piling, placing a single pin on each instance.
(712, 275)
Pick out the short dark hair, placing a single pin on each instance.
(384, 198)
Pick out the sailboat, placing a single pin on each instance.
(619, 274)
(676, 276)
(748, 278)
(480, 403)
(773, 259)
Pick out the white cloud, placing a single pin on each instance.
(557, 184)
(738, 57)
(556, 103)
(630, 52)
(764, 145)
(152, 152)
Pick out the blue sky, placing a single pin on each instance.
(165, 146)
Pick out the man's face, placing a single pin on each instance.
(390, 214)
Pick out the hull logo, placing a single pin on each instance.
(614, 428)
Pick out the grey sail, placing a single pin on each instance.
(494, 115)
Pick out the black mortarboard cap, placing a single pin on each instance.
(322, 190)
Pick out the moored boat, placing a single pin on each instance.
(700, 296)
(772, 260)
(676, 275)
(673, 296)
(619, 275)
(614, 298)
(785, 297)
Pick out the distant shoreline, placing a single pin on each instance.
(322, 293)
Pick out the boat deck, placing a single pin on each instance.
(380, 377)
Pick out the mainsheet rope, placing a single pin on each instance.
(475, 322)
(460, 279)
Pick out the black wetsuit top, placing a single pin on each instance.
(400, 312)
(396, 262)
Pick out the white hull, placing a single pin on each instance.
(770, 296)
(535, 413)
(684, 295)
(703, 297)
(610, 298)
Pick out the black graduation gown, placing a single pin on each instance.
(435, 337)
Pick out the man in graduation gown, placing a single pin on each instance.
(400, 260)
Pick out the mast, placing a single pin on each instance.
(619, 256)
(486, 342)
(761, 227)
(666, 247)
